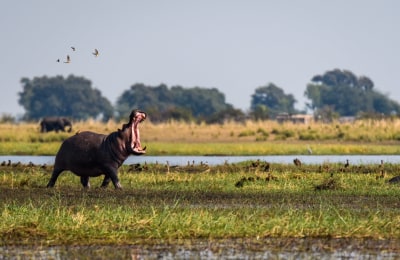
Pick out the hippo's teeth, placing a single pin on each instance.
(135, 143)
(138, 150)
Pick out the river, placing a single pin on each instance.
(217, 160)
(268, 248)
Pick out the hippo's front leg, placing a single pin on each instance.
(105, 182)
(111, 173)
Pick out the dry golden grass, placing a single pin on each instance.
(359, 131)
(362, 130)
(249, 138)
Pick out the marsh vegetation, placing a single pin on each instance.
(252, 200)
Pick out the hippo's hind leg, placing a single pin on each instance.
(54, 176)
(85, 181)
(106, 181)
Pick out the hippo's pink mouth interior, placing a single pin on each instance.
(135, 144)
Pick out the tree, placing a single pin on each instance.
(178, 103)
(272, 100)
(260, 112)
(72, 97)
(228, 114)
(347, 95)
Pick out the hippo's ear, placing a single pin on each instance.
(132, 115)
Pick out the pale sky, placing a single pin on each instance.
(235, 46)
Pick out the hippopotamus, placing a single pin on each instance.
(55, 123)
(88, 154)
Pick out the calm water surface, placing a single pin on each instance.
(269, 249)
(217, 160)
(228, 249)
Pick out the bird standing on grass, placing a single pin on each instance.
(297, 162)
(347, 164)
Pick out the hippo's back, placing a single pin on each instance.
(81, 150)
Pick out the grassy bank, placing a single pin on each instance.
(251, 200)
(251, 138)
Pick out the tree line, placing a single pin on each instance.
(332, 94)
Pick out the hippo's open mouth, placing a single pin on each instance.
(135, 143)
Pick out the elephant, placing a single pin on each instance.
(55, 123)
(88, 154)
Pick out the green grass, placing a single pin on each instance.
(223, 148)
(247, 200)
(269, 148)
(161, 204)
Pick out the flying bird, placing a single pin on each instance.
(58, 60)
(96, 53)
(68, 59)
(73, 48)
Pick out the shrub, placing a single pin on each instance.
(262, 132)
(308, 136)
(246, 133)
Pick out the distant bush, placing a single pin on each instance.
(341, 135)
(247, 133)
(261, 138)
(308, 136)
(262, 132)
(275, 131)
(6, 118)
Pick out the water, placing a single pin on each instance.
(269, 248)
(218, 160)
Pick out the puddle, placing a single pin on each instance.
(226, 249)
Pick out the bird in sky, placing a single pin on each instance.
(68, 59)
(96, 53)
(73, 48)
(58, 60)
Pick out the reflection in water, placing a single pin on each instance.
(227, 249)
(218, 160)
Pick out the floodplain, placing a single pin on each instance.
(253, 203)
